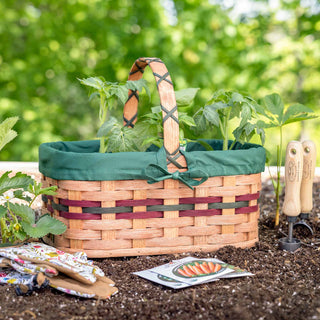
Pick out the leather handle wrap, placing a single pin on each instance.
(168, 106)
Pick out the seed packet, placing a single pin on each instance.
(193, 270)
(236, 271)
(161, 279)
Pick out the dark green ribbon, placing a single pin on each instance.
(155, 173)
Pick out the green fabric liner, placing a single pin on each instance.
(81, 161)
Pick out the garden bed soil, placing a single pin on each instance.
(285, 286)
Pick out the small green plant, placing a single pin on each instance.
(275, 115)
(225, 106)
(18, 221)
(6, 132)
(113, 136)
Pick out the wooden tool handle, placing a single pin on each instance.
(309, 163)
(293, 176)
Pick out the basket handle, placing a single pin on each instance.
(168, 105)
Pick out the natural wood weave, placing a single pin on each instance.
(111, 237)
(133, 217)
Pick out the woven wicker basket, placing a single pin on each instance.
(133, 217)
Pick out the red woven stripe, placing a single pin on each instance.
(50, 197)
(50, 209)
(132, 203)
(80, 216)
(248, 197)
(200, 200)
(246, 209)
(140, 215)
(80, 203)
(199, 213)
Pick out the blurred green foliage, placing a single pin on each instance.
(45, 45)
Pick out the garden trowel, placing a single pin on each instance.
(309, 163)
(292, 204)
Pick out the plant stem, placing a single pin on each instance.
(279, 162)
(225, 128)
(232, 145)
(103, 116)
(32, 201)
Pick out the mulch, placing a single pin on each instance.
(285, 286)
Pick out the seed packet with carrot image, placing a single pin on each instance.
(161, 279)
(236, 271)
(192, 270)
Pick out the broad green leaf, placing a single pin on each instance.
(267, 125)
(138, 85)
(93, 82)
(237, 97)
(187, 120)
(107, 127)
(211, 115)
(6, 132)
(274, 104)
(121, 92)
(122, 140)
(3, 211)
(185, 97)
(298, 112)
(24, 212)
(156, 109)
(245, 114)
(19, 180)
(201, 123)
(21, 234)
(262, 135)
(19, 194)
(45, 225)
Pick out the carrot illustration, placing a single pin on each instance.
(217, 267)
(183, 273)
(211, 266)
(188, 271)
(193, 268)
(196, 269)
(204, 268)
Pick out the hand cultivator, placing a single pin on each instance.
(299, 174)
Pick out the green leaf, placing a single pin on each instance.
(94, 82)
(245, 114)
(138, 85)
(21, 234)
(6, 132)
(107, 127)
(274, 104)
(201, 123)
(298, 112)
(211, 115)
(156, 109)
(120, 91)
(187, 120)
(24, 212)
(185, 97)
(3, 211)
(122, 140)
(237, 97)
(19, 195)
(19, 180)
(46, 224)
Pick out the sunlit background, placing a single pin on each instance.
(257, 47)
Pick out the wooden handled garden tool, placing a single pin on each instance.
(292, 204)
(309, 164)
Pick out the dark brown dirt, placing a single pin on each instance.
(285, 286)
